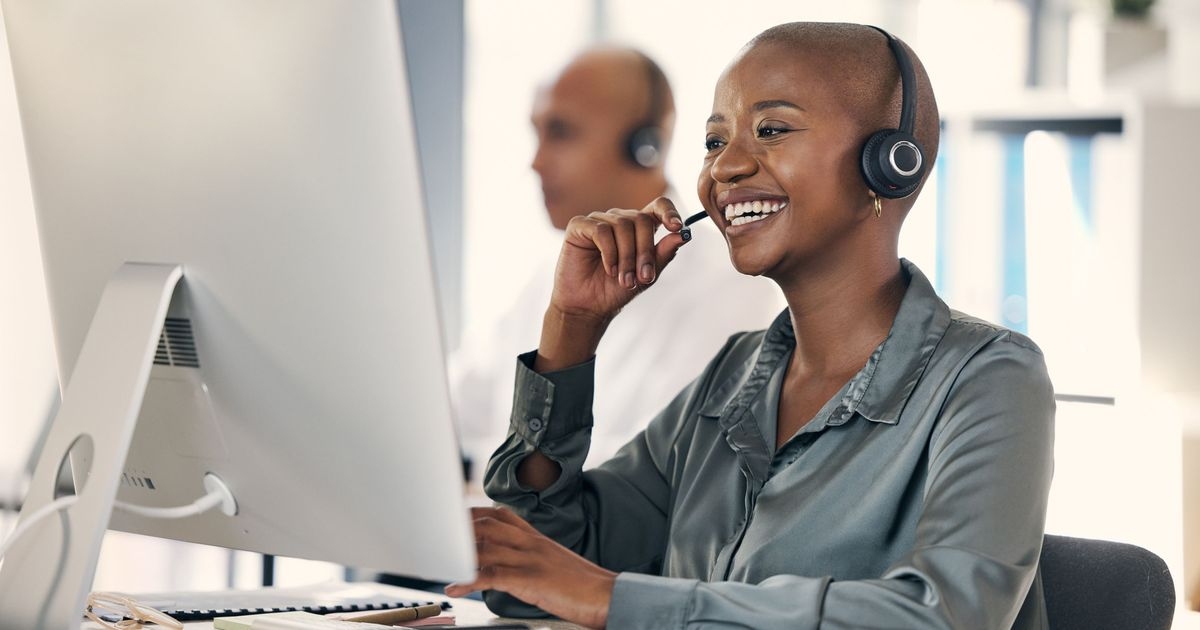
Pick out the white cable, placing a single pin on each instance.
(35, 518)
(201, 505)
(216, 497)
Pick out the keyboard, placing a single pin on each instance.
(323, 598)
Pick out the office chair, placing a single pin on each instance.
(1098, 584)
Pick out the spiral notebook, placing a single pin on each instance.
(326, 597)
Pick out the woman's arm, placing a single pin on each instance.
(615, 515)
(607, 258)
(971, 565)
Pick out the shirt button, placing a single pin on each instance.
(535, 424)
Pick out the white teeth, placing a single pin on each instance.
(747, 219)
(758, 207)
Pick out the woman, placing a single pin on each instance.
(873, 459)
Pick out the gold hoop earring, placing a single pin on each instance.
(878, 207)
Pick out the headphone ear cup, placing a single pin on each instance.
(892, 163)
(643, 148)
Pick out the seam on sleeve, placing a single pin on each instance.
(689, 605)
(969, 356)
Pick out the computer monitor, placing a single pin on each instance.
(265, 149)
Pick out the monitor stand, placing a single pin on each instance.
(46, 575)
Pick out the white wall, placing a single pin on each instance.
(512, 47)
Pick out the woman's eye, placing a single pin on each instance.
(767, 131)
(713, 142)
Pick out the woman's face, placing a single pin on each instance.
(781, 176)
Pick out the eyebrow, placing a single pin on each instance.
(761, 106)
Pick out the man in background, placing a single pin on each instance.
(604, 126)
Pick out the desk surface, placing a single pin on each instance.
(466, 611)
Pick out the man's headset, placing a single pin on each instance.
(643, 144)
(892, 159)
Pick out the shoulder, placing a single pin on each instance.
(993, 377)
(967, 335)
(977, 355)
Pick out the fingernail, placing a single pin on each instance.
(676, 221)
(647, 272)
(628, 280)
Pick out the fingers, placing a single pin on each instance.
(667, 213)
(516, 559)
(503, 515)
(625, 240)
(624, 223)
(505, 528)
(647, 267)
(505, 545)
(606, 242)
(665, 250)
(490, 577)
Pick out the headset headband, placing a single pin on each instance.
(908, 95)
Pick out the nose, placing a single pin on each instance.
(539, 159)
(735, 162)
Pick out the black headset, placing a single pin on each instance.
(643, 143)
(892, 159)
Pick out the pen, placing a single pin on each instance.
(686, 232)
(493, 627)
(393, 616)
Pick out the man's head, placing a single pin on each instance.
(584, 119)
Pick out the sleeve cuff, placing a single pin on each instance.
(648, 601)
(553, 405)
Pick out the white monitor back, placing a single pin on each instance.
(268, 147)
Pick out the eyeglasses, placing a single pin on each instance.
(132, 615)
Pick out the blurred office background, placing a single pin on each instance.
(1060, 207)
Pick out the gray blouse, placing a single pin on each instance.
(916, 498)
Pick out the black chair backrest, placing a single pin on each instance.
(1098, 584)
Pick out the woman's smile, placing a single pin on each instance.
(747, 211)
(751, 216)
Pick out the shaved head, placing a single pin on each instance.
(865, 73)
(584, 118)
(624, 81)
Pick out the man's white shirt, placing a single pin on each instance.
(654, 348)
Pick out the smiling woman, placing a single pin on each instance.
(873, 459)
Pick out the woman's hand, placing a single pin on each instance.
(607, 258)
(516, 559)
